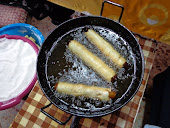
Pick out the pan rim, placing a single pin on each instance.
(91, 115)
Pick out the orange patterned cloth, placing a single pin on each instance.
(148, 17)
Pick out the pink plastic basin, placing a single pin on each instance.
(16, 100)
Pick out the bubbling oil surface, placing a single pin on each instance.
(64, 66)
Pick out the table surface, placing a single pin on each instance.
(30, 115)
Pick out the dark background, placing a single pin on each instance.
(41, 9)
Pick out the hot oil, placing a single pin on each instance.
(64, 66)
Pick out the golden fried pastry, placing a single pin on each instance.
(100, 93)
(91, 60)
(105, 47)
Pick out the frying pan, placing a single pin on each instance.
(56, 45)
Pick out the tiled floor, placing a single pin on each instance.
(45, 26)
(7, 116)
(162, 61)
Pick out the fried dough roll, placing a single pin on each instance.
(100, 93)
(91, 60)
(105, 47)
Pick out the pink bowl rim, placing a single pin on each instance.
(14, 101)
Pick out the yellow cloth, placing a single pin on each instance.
(91, 6)
(146, 17)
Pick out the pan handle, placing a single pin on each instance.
(118, 5)
(44, 112)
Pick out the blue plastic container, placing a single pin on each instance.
(23, 29)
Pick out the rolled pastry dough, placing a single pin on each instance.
(91, 60)
(105, 47)
(100, 93)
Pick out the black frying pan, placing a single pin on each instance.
(56, 45)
